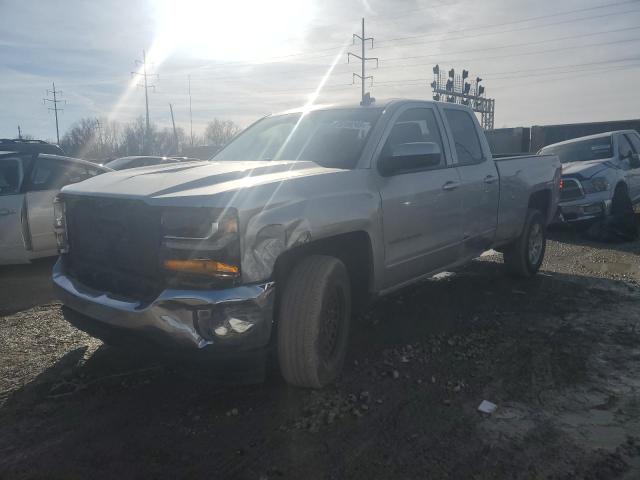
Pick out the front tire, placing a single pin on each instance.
(524, 257)
(313, 322)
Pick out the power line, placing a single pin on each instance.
(54, 101)
(424, 80)
(448, 60)
(363, 60)
(334, 49)
(514, 22)
(392, 59)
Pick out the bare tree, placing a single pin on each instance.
(80, 141)
(101, 140)
(219, 132)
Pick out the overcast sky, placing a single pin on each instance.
(546, 61)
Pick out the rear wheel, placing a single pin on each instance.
(621, 205)
(524, 257)
(313, 322)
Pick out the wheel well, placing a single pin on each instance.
(353, 249)
(621, 185)
(541, 200)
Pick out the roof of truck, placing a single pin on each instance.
(378, 103)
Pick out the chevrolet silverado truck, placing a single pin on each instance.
(300, 219)
(600, 175)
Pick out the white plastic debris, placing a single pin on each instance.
(487, 407)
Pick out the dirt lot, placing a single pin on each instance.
(559, 354)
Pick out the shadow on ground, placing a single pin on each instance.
(25, 286)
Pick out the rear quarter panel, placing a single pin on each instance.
(521, 177)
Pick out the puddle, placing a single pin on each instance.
(614, 267)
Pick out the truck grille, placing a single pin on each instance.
(570, 190)
(114, 246)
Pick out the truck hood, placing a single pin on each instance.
(586, 169)
(193, 178)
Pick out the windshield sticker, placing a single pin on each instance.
(362, 127)
(596, 148)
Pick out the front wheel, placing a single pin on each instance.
(524, 256)
(313, 322)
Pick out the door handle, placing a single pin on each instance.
(490, 179)
(450, 185)
(5, 211)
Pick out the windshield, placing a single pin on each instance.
(582, 151)
(331, 138)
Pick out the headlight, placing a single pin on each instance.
(60, 224)
(200, 243)
(596, 184)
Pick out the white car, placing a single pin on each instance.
(600, 174)
(28, 185)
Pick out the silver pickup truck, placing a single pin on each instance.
(300, 219)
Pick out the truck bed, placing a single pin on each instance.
(519, 176)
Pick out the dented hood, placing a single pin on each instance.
(193, 178)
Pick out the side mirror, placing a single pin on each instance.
(407, 157)
(634, 160)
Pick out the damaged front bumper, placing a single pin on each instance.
(233, 319)
(587, 208)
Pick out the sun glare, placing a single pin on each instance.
(238, 30)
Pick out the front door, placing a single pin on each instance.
(12, 241)
(421, 209)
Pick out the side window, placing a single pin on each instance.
(46, 175)
(465, 136)
(55, 174)
(415, 125)
(624, 147)
(11, 176)
(635, 141)
(74, 173)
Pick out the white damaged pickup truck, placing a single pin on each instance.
(299, 220)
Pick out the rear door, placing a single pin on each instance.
(480, 185)
(12, 237)
(634, 172)
(421, 209)
(48, 176)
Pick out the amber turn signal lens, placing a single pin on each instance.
(202, 267)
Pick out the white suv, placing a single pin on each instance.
(600, 174)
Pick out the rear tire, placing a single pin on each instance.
(524, 257)
(621, 205)
(313, 322)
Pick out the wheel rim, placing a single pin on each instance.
(536, 241)
(331, 326)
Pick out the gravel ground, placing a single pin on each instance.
(559, 354)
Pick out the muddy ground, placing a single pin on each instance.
(559, 354)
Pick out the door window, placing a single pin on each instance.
(635, 141)
(11, 176)
(465, 136)
(55, 174)
(415, 125)
(624, 147)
